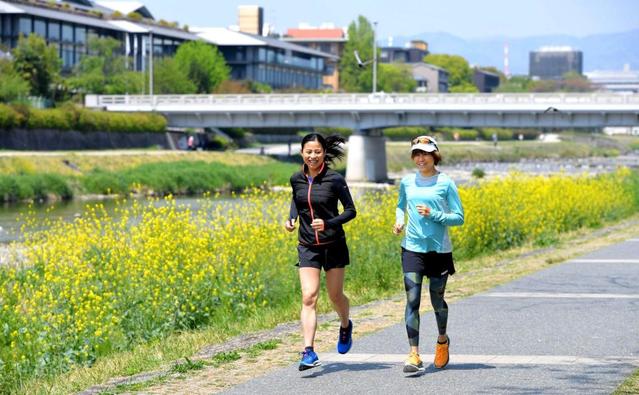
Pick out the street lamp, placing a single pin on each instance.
(374, 57)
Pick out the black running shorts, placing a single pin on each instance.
(327, 257)
(430, 264)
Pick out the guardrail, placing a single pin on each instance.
(359, 99)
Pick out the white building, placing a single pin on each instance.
(625, 80)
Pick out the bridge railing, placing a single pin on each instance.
(364, 99)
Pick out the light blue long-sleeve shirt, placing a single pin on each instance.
(430, 233)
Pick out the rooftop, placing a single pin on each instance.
(551, 48)
(316, 33)
(221, 36)
(98, 14)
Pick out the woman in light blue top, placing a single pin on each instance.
(431, 200)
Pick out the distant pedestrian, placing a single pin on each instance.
(317, 189)
(495, 139)
(431, 200)
(190, 142)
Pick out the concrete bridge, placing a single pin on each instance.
(368, 114)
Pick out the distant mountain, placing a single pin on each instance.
(600, 51)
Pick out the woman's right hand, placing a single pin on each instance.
(289, 225)
(423, 209)
(397, 229)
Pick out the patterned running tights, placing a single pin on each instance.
(437, 288)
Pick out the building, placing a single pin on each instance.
(624, 81)
(552, 63)
(328, 39)
(484, 80)
(430, 78)
(69, 25)
(414, 53)
(277, 63)
(250, 19)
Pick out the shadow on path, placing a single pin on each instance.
(337, 367)
(330, 368)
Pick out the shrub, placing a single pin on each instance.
(8, 117)
(454, 134)
(50, 119)
(89, 120)
(405, 133)
(40, 187)
(478, 172)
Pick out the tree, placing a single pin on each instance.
(12, 86)
(353, 78)
(105, 72)
(571, 82)
(37, 63)
(575, 82)
(460, 75)
(396, 78)
(516, 84)
(204, 65)
(169, 78)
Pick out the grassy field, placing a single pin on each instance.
(84, 162)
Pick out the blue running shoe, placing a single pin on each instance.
(309, 360)
(345, 340)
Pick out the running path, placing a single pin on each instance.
(570, 329)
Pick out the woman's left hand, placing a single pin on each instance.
(318, 224)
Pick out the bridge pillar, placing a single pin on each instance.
(366, 157)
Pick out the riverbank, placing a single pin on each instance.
(41, 176)
(64, 176)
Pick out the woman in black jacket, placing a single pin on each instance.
(322, 242)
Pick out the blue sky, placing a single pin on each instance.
(464, 18)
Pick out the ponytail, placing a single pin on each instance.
(332, 145)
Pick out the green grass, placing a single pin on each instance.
(187, 365)
(226, 357)
(186, 178)
(630, 386)
(161, 178)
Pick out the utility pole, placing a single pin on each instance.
(374, 57)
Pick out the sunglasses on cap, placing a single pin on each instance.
(424, 140)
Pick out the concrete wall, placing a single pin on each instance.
(50, 140)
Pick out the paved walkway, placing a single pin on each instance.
(570, 329)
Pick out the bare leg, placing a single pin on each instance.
(335, 287)
(310, 282)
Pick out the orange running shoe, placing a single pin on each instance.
(441, 354)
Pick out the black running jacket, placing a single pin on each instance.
(318, 199)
